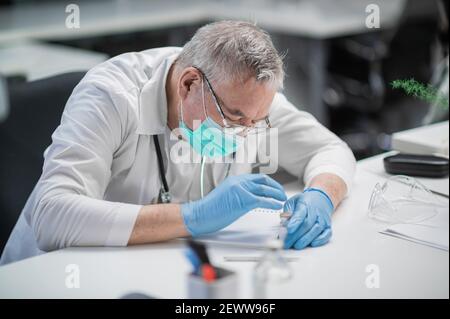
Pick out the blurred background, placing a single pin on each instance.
(339, 64)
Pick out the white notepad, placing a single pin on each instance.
(433, 233)
(253, 230)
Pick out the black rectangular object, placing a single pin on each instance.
(416, 165)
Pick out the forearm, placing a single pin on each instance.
(62, 219)
(158, 223)
(331, 184)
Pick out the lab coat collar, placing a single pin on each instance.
(153, 100)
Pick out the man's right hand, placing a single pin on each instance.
(233, 198)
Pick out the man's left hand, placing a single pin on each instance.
(310, 223)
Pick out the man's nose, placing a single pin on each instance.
(247, 122)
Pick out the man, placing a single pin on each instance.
(104, 182)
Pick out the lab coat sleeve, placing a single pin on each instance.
(68, 208)
(306, 148)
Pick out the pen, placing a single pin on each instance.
(284, 219)
(282, 233)
(208, 273)
(257, 165)
(439, 193)
(194, 260)
(200, 250)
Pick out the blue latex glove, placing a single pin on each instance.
(230, 200)
(310, 223)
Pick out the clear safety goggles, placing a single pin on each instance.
(403, 199)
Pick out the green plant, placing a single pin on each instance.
(421, 91)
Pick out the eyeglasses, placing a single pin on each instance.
(228, 125)
(403, 199)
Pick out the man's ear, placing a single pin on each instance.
(189, 78)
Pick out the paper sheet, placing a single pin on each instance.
(253, 230)
(433, 233)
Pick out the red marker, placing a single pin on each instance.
(208, 273)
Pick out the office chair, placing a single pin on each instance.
(35, 110)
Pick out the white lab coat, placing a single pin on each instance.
(102, 167)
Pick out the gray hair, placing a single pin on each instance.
(234, 50)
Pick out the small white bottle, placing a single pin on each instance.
(271, 273)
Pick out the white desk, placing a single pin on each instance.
(39, 60)
(317, 19)
(375, 166)
(429, 139)
(337, 270)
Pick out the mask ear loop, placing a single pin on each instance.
(202, 170)
(180, 111)
(203, 99)
(202, 167)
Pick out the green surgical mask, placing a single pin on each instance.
(209, 140)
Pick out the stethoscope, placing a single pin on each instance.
(164, 196)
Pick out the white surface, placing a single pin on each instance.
(433, 232)
(337, 270)
(38, 60)
(254, 229)
(319, 19)
(430, 139)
